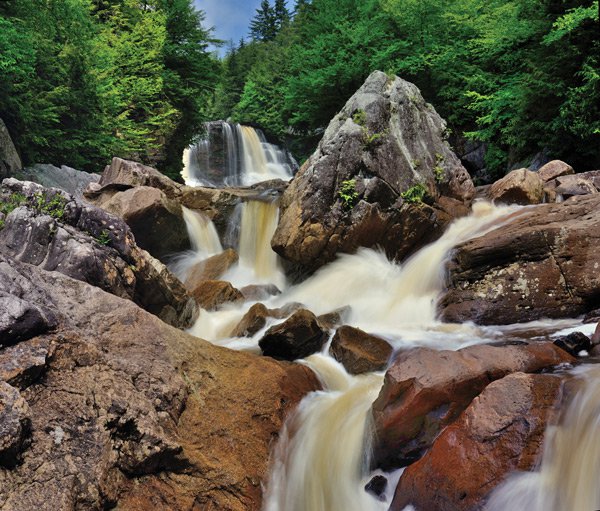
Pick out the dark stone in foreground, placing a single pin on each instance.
(297, 337)
(358, 351)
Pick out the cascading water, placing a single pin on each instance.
(234, 155)
(567, 478)
(203, 239)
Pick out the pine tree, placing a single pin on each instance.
(282, 14)
(263, 26)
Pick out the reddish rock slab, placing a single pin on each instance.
(358, 351)
(502, 430)
(425, 390)
(211, 294)
(211, 268)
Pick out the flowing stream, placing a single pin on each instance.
(320, 462)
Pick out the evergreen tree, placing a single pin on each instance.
(282, 14)
(263, 26)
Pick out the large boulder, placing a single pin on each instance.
(211, 268)
(502, 430)
(211, 294)
(10, 161)
(66, 178)
(542, 263)
(155, 220)
(425, 390)
(374, 179)
(134, 414)
(520, 186)
(53, 230)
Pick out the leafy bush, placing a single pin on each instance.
(348, 193)
(415, 194)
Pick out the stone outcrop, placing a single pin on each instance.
(132, 413)
(502, 430)
(543, 263)
(297, 337)
(51, 229)
(520, 186)
(70, 180)
(358, 351)
(10, 161)
(155, 220)
(374, 179)
(425, 390)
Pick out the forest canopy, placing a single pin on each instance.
(84, 80)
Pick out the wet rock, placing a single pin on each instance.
(25, 363)
(253, 321)
(10, 161)
(211, 294)
(123, 174)
(132, 413)
(520, 186)
(53, 230)
(70, 180)
(541, 264)
(574, 343)
(554, 169)
(425, 390)
(155, 220)
(297, 337)
(358, 351)
(15, 425)
(334, 318)
(502, 430)
(386, 141)
(259, 292)
(211, 268)
(377, 486)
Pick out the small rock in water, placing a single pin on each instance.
(574, 343)
(259, 292)
(377, 486)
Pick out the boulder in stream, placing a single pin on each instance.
(374, 179)
(358, 351)
(541, 263)
(297, 337)
(425, 390)
(502, 430)
(520, 186)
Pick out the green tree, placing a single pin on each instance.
(263, 26)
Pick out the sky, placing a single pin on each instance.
(229, 17)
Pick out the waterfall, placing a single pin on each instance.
(319, 462)
(234, 155)
(204, 241)
(567, 478)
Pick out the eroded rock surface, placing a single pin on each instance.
(520, 186)
(134, 414)
(543, 263)
(386, 141)
(358, 351)
(51, 229)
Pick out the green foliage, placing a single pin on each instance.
(360, 118)
(415, 194)
(50, 205)
(103, 238)
(85, 80)
(438, 174)
(348, 193)
(9, 204)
